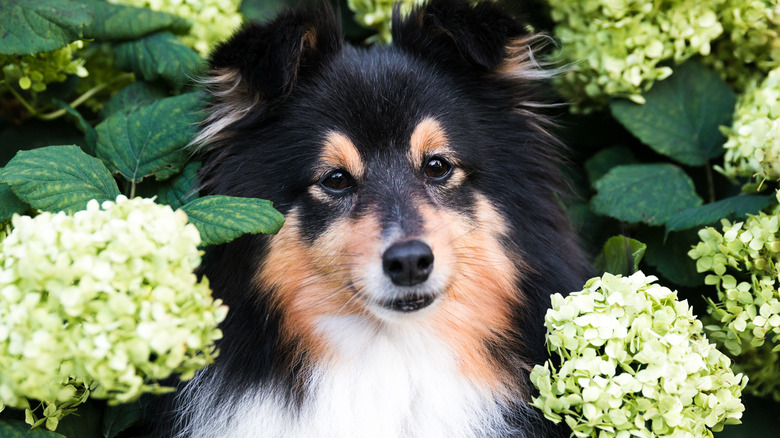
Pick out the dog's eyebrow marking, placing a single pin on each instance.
(427, 139)
(338, 151)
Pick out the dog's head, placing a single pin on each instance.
(418, 181)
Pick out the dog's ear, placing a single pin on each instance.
(261, 63)
(487, 35)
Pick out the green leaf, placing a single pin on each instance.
(670, 257)
(221, 219)
(137, 93)
(262, 10)
(34, 134)
(175, 191)
(735, 206)
(159, 56)
(20, 429)
(682, 116)
(57, 178)
(84, 423)
(120, 22)
(646, 193)
(181, 189)
(149, 140)
(620, 256)
(604, 160)
(31, 26)
(90, 137)
(10, 204)
(120, 417)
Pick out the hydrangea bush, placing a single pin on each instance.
(103, 300)
(753, 146)
(620, 49)
(212, 20)
(632, 360)
(750, 46)
(741, 262)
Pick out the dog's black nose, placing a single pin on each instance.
(408, 263)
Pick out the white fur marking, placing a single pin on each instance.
(386, 380)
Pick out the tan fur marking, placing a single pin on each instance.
(339, 152)
(310, 281)
(427, 139)
(477, 306)
(309, 40)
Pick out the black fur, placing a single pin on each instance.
(443, 64)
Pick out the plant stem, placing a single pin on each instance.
(710, 181)
(76, 102)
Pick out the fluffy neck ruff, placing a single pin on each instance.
(382, 380)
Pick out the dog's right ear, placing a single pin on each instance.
(261, 63)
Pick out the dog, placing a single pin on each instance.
(421, 187)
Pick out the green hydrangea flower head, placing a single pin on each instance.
(617, 48)
(104, 301)
(378, 15)
(34, 72)
(753, 145)
(741, 260)
(751, 46)
(634, 362)
(212, 20)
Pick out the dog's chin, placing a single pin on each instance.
(402, 306)
(409, 303)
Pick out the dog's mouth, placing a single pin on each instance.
(409, 303)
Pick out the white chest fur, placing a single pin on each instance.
(388, 381)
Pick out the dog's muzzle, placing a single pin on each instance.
(407, 264)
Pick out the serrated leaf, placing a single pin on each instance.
(120, 417)
(137, 93)
(159, 56)
(670, 256)
(604, 160)
(175, 191)
(620, 256)
(20, 429)
(10, 204)
(121, 22)
(738, 206)
(682, 115)
(56, 178)
(181, 189)
(647, 193)
(221, 219)
(149, 140)
(31, 26)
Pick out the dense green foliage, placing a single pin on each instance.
(675, 126)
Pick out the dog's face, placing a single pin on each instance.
(417, 181)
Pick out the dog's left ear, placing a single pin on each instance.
(486, 35)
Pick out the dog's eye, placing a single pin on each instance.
(437, 168)
(336, 181)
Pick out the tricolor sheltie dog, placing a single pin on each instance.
(405, 294)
